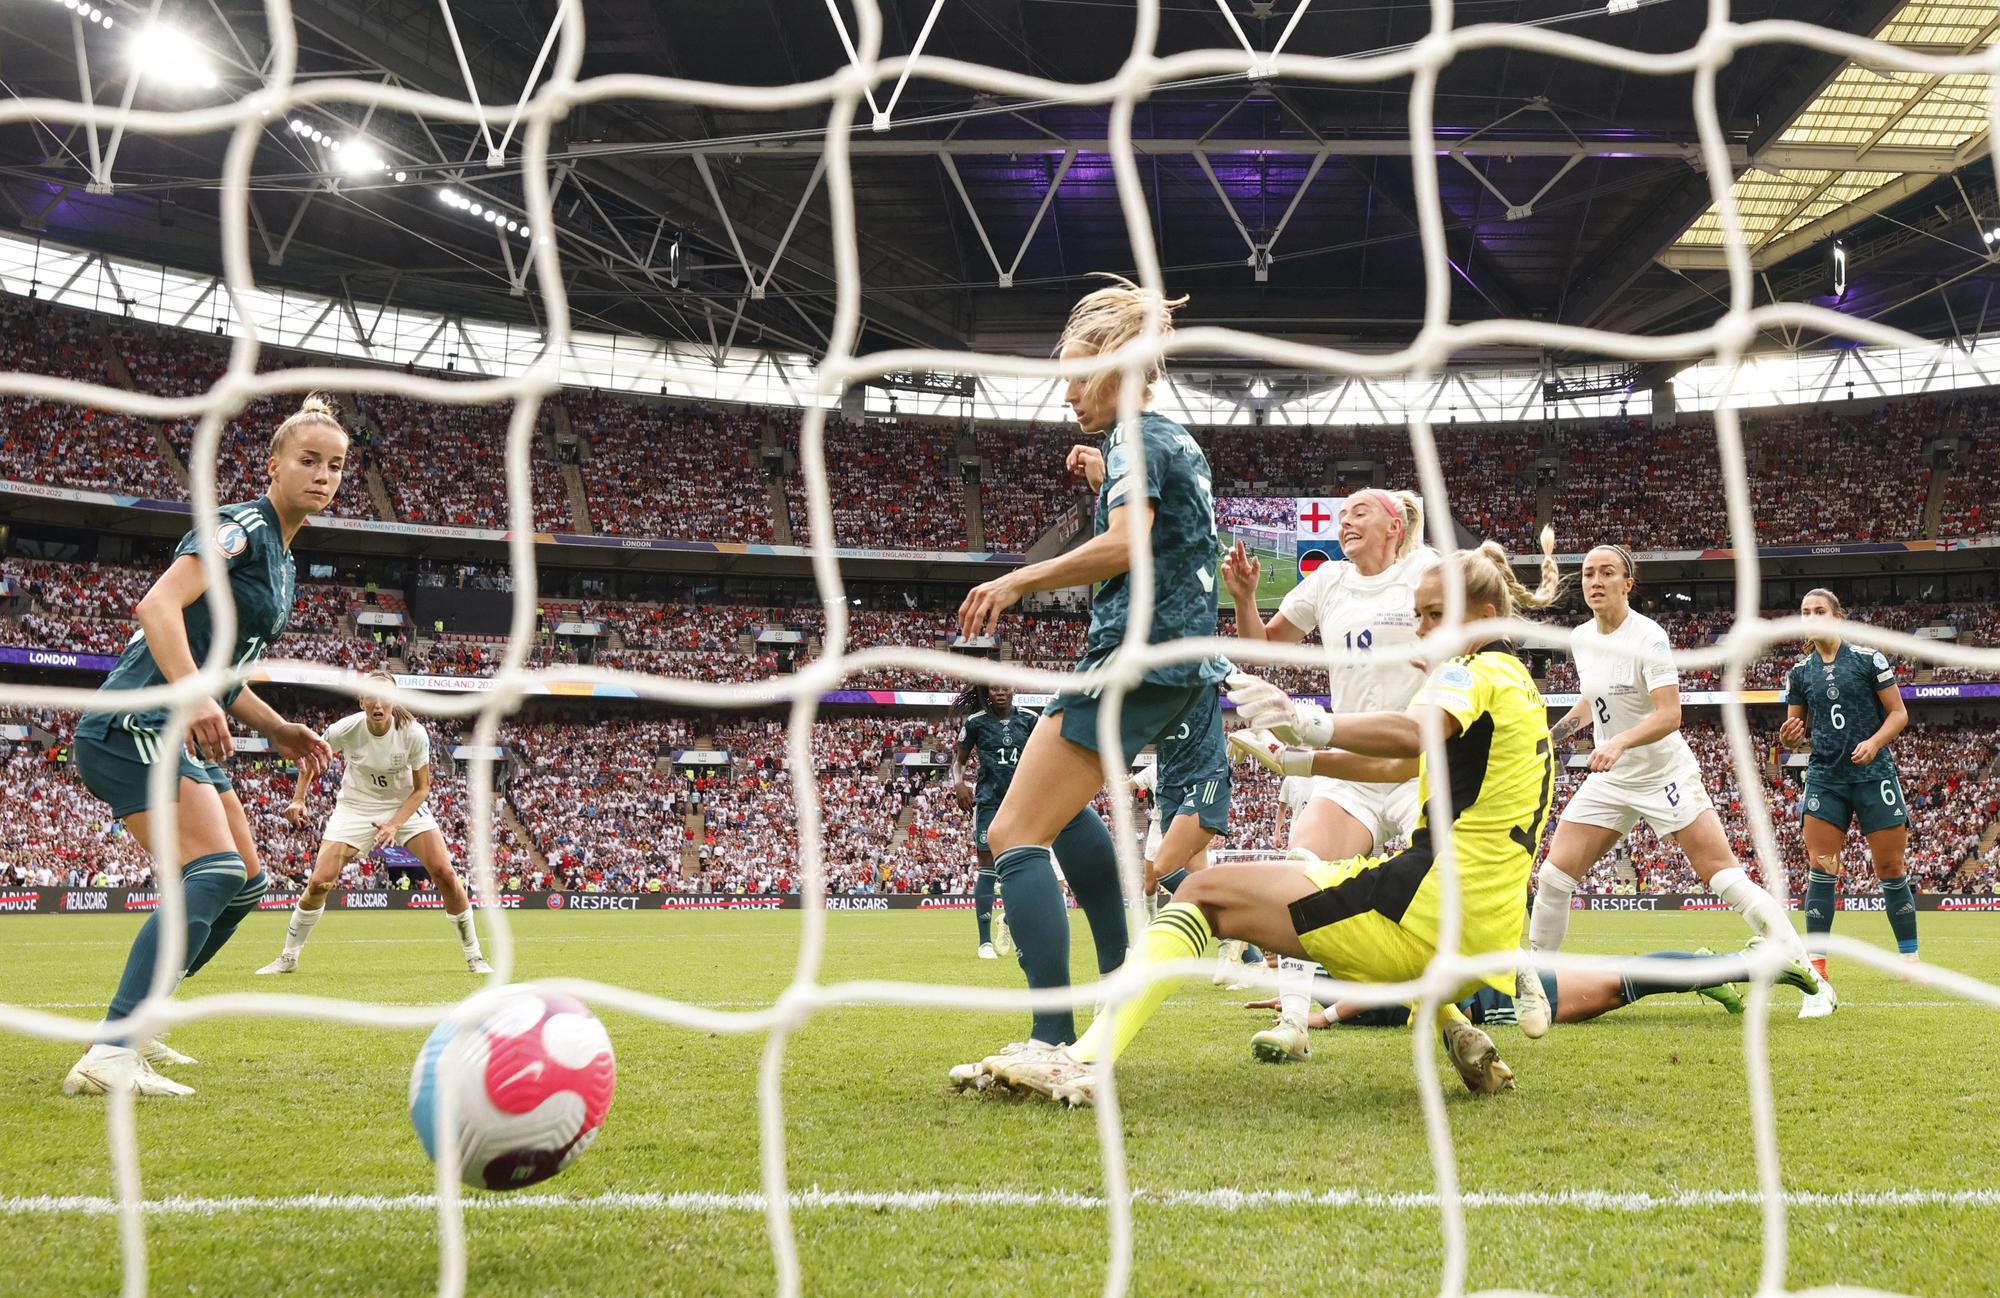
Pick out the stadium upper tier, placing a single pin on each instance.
(617, 465)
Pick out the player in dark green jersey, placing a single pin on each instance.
(1061, 771)
(1845, 697)
(996, 731)
(221, 880)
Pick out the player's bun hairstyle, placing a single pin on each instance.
(1839, 609)
(1489, 577)
(399, 715)
(1624, 557)
(315, 409)
(1106, 320)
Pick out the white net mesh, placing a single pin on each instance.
(1434, 343)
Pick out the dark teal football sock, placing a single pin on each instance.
(982, 903)
(208, 885)
(1172, 882)
(1901, 903)
(248, 895)
(1038, 918)
(1090, 864)
(1820, 889)
(1635, 988)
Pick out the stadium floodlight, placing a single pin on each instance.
(167, 54)
(299, 126)
(357, 156)
(402, 176)
(476, 209)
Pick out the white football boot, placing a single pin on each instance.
(1477, 1059)
(104, 1069)
(287, 962)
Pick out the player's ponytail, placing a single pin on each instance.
(1489, 577)
(1411, 507)
(315, 409)
(1106, 320)
(399, 715)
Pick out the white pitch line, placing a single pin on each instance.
(1222, 1200)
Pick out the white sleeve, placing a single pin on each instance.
(1657, 663)
(419, 745)
(1300, 606)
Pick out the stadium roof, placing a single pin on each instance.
(1570, 191)
(1904, 129)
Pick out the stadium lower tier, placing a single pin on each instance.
(705, 806)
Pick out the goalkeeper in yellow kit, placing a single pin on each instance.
(1369, 919)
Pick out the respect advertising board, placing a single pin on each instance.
(140, 901)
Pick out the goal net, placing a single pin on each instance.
(843, 97)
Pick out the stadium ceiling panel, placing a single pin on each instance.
(1893, 133)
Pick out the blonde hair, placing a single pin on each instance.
(317, 408)
(1839, 609)
(1106, 320)
(1411, 507)
(1489, 577)
(399, 715)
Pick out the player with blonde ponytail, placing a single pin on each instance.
(115, 752)
(1369, 918)
(381, 802)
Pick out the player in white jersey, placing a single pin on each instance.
(1363, 603)
(381, 802)
(1641, 769)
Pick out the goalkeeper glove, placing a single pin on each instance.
(1270, 752)
(1263, 706)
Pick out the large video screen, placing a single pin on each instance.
(1289, 535)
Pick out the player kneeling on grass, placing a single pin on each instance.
(1369, 919)
(381, 802)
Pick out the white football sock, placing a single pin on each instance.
(300, 928)
(468, 936)
(1550, 922)
(1735, 886)
(1295, 990)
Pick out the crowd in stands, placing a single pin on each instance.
(605, 808)
(894, 486)
(447, 463)
(63, 445)
(667, 471)
(653, 470)
(1024, 486)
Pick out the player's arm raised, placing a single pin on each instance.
(1894, 718)
(1663, 720)
(1240, 572)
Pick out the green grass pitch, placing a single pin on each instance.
(1891, 1097)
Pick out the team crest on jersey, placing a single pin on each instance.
(1812, 804)
(1833, 691)
(231, 539)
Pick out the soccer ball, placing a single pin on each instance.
(533, 1080)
